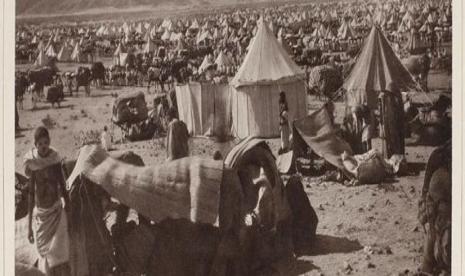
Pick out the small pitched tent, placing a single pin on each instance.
(65, 52)
(266, 71)
(42, 59)
(415, 45)
(222, 61)
(206, 63)
(376, 66)
(346, 32)
(77, 55)
(50, 51)
(118, 50)
(149, 47)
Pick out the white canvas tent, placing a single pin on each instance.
(266, 71)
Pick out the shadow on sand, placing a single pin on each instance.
(325, 245)
(301, 267)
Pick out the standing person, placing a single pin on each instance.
(105, 139)
(48, 225)
(352, 129)
(367, 129)
(177, 137)
(284, 128)
(392, 121)
(69, 82)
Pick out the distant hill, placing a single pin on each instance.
(44, 7)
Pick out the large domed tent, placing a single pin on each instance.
(376, 66)
(266, 71)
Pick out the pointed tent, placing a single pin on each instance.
(101, 30)
(181, 45)
(194, 25)
(77, 55)
(376, 66)
(72, 42)
(166, 35)
(346, 32)
(266, 71)
(415, 45)
(118, 50)
(206, 63)
(65, 52)
(50, 51)
(147, 36)
(222, 61)
(149, 47)
(42, 60)
(139, 28)
(56, 38)
(41, 46)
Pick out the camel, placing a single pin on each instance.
(176, 246)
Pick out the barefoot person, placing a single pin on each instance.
(48, 225)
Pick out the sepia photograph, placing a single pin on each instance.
(232, 137)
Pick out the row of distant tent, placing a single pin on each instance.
(344, 33)
(408, 18)
(67, 53)
(382, 15)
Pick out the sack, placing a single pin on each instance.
(371, 171)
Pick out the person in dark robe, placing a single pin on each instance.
(352, 129)
(392, 121)
(284, 128)
(177, 138)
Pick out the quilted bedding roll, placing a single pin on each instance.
(185, 188)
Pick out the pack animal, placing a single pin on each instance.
(21, 84)
(55, 94)
(419, 66)
(83, 77)
(98, 74)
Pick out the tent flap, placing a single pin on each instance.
(205, 108)
(318, 133)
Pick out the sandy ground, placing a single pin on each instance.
(364, 230)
